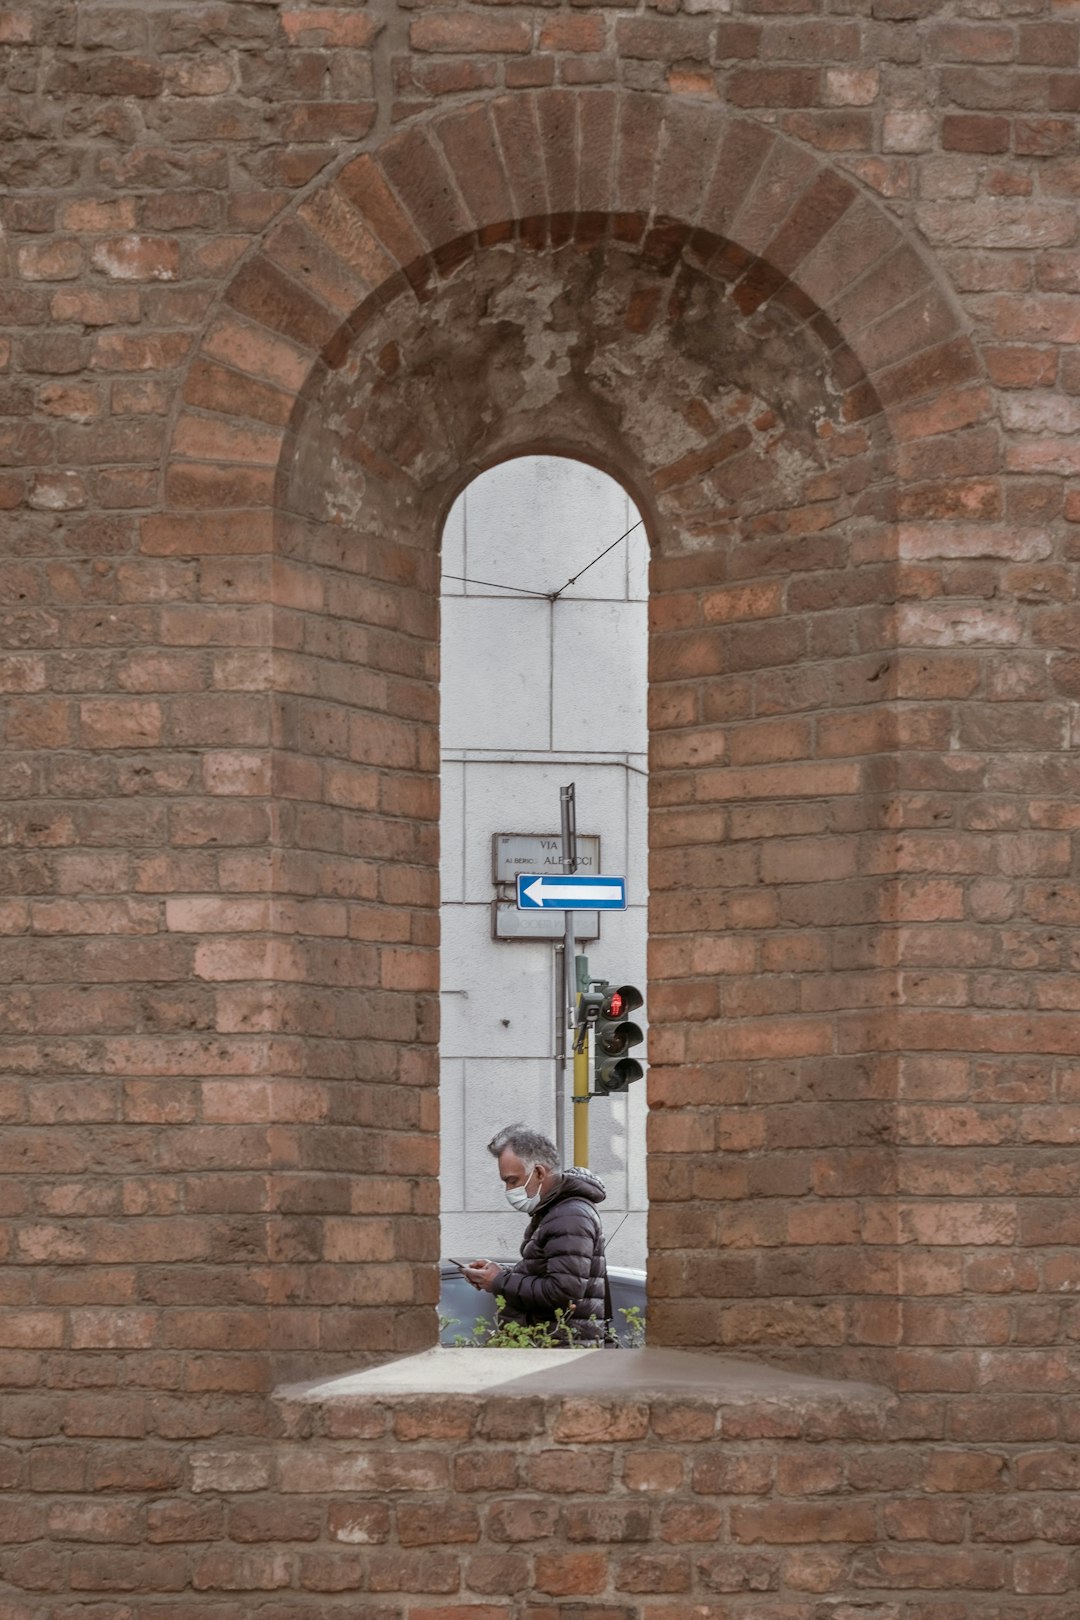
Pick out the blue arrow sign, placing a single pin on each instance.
(570, 892)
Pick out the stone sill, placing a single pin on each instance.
(745, 1398)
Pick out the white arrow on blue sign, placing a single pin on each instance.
(539, 892)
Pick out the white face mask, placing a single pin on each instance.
(521, 1199)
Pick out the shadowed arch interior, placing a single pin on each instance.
(767, 478)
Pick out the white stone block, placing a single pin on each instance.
(637, 831)
(536, 521)
(495, 683)
(498, 1093)
(452, 1132)
(452, 831)
(619, 954)
(627, 1246)
(498, 999)
(638, 554)
(600, 678)
(607, 1148)
(636, 1172)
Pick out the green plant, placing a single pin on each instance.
(505, 1335)
(635, 1326)
(561, 1333)
(500, 1334)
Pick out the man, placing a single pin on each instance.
(562, 1265)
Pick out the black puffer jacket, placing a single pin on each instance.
(562, 1265)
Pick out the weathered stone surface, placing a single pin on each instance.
(273, 283)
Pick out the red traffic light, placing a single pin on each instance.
(620, 1002)
(615, 1034)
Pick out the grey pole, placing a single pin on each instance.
(568, 810)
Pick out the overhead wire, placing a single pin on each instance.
(575, 577)
(547, 596)
(493, 584)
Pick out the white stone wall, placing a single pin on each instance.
(536, 694)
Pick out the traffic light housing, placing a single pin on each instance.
(615, 1035)
(590, 1001)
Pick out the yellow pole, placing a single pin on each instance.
(581, 1104)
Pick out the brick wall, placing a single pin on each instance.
(767, 1503)
(277, 282)
(784, 1502)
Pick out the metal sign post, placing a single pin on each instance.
(580, 1096)
(568, 810)
(590, 893)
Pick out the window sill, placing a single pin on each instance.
(743, 1397)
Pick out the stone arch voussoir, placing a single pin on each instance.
(781, 225)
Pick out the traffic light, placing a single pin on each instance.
(615, 1035)
(589, 1004)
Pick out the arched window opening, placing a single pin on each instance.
(544, 680)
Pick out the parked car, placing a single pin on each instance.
(461, 1305)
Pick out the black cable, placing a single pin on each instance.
(465, 579)
(575, 577)
(546, 596)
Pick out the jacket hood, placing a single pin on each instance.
(577, 1183)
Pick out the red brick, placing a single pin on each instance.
(593, 1474)
(226, 1569)
(461, 33)
(773, 87)
(805, 1521)
(1021, 366)
(257, 352)
(1041, 137)
(972, 132)
(653, 1572)
(117, 351)
(50, 261)
(569, 1574)
(184, 1520)
(330, 26)
(137, 258)
(338, 237)
(413, 1572)
(695, 1522)
(415, 169)
(467, 1611)
(264, 293)
(213, 388)
(946, 1569)
(1053, 44)
(532, 72)
(364, 185)
(572, 33)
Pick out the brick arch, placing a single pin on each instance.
(780, 224)
(354, 1149)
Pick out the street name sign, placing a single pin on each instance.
(546, 891)
(512, 853)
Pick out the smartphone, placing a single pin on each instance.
(462, 1265)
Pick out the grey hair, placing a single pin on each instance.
(527, 1144)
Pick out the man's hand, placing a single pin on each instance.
(482, 1274)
